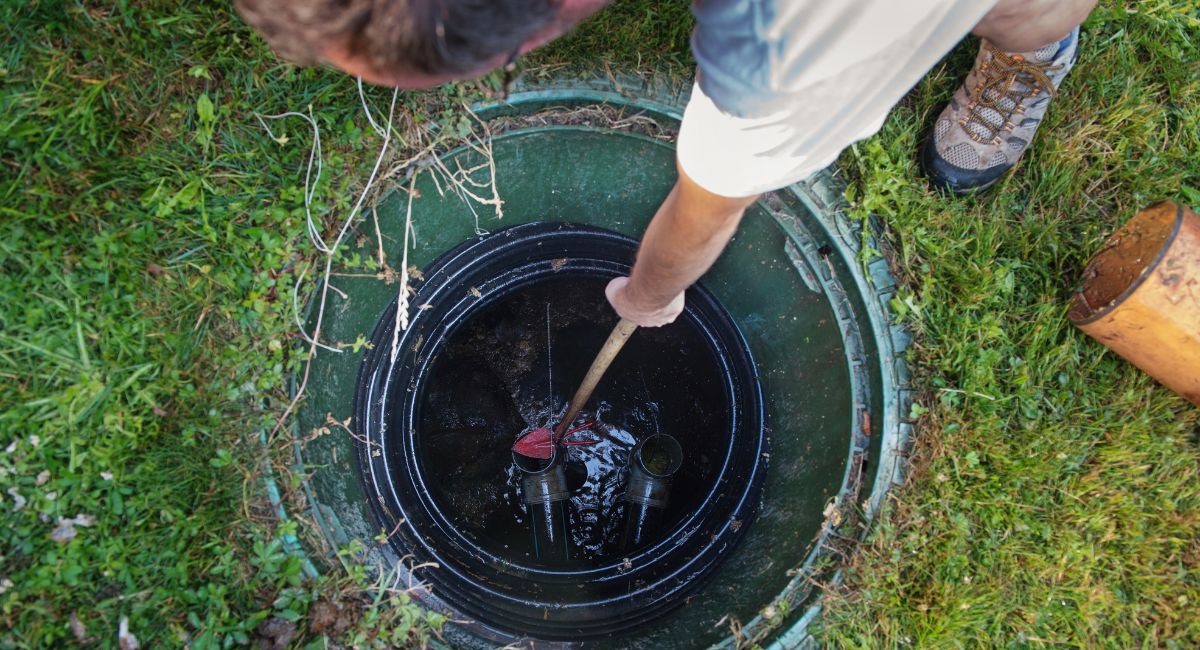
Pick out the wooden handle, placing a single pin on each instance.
(612, 346)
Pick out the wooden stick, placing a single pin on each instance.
(612, 346)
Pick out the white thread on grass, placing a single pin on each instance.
(310, 183)
(457, 181)
(296, 315)
(362, 98)
(319, 241)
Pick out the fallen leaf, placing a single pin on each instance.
(64, 532)
(833, 514)
(276, 633)
(42, 477)
(322, 616)
(18, 500)
(125, 639)
(78, 629)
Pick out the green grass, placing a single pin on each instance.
(153, 234)
(628, 35)
(1056, 498)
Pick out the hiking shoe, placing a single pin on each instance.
(994, 115)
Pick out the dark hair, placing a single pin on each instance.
(431, 36)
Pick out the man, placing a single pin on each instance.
(782, 87)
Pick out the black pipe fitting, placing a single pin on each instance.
(544, 491)
(652, 463)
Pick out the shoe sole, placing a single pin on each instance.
(942, 183)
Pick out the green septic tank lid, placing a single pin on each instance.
(814, 314)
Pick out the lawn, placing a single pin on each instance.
(153, 234)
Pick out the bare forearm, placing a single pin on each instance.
(686, 236)
(678, 247)
(1023, 25)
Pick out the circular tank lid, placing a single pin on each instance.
(800, 280)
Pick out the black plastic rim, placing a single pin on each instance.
(570, 604)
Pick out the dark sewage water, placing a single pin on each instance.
(513, 367)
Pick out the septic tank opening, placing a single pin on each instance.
(587, 544)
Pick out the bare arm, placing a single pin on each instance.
(1023, 25)
(686, 236)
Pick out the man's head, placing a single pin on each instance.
(412, 43)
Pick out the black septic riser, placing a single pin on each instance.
(557, 601)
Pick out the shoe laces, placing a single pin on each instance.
(1000, 95)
